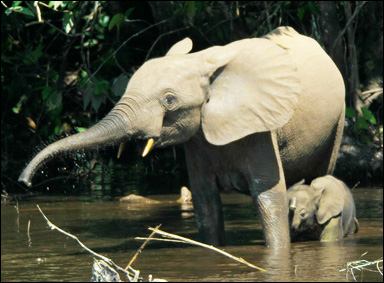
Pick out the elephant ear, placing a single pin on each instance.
(180, 48)
(331, 203)
(301, 182)
(254, 87)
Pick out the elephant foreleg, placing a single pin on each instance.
(268, 189)
(274, 217)
(205, 197)
(208, 214)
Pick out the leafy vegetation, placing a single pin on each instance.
(65, 64)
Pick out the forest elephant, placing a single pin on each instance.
(255, 115)
(323, 211)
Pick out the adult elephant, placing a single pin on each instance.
(255, 115)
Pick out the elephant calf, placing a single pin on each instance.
(324, 210)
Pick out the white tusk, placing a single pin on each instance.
(293, 203)
(121, 149)
(148, 146)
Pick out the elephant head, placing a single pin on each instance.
(326, 203)
(303, 205)
(227, 92)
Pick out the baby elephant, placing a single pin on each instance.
(324, 210)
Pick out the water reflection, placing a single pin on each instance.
(109, 227)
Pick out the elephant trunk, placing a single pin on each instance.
(112, 129)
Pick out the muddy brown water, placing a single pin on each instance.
(109, 228)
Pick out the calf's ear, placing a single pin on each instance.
(181, 47)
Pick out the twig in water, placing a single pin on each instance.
(29, 234)
(107, 260)
(192, 242)
(362, 265)
(142, 247)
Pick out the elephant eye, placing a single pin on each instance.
(169, 99)
(302, 213)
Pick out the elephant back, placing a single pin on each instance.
(310, 139)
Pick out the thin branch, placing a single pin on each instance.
(192, 242)
(142, 246)
(360, 265)
(351, 19)
(124, 43)
(36, 4)
(107, 260)
(159, 37)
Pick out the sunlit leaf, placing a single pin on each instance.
(55, 4)
(80, 129)
(68, 21)
(19, 9)
(104, 20)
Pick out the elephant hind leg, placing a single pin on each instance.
(356, 226)
(337, 141)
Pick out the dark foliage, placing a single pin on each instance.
(65, 64)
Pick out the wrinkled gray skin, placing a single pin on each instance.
(323, 211)
(254, 115)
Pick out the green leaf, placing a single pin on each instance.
(17, 108)
(80, 129)
(47, 91)
(368, 115)
(54, 100)
(117, 20)
(58, 129)
(301, 12)
(19, 9)
(33, 56)
(101, 86)
(16, 3)
(313, 8)
(87, 95)
(191, 9)
(362, 124)
(68, 21)
(367, 140)
(97, 101)
(349, 112)
(120, 85)
(104, 20)
(55, 4)
(129, 12)
(91, 42)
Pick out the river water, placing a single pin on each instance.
(109, 227)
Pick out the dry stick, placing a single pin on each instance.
(107, 260)
(361, 265)
(142, 247)
(355, 186)
(189, 241)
